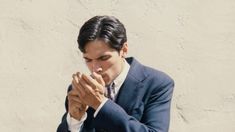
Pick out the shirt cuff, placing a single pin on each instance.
(100, 106)
(75, 125)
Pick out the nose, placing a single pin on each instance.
(96, 68)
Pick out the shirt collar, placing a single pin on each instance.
(119, 80)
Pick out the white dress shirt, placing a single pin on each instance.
(75, 125)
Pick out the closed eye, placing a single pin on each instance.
(104, 58)
(87, 59)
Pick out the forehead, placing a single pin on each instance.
(97, 48)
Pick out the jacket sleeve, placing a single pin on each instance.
(63, 126)
(155, 116)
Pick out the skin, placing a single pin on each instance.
(105, 64)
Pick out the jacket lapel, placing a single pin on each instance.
(132, 86)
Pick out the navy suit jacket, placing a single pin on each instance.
(142, 104)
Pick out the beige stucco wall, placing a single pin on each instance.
(191, 40)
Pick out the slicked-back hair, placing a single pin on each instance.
(106, 28)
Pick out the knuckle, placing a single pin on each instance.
(82, 96)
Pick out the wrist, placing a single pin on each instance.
(101, 105)
(78, 118)
(98, 103)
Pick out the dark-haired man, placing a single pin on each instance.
(120, 95)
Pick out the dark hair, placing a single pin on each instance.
(106, 28)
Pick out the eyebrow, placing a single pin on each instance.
(86, 58)
(95, 58)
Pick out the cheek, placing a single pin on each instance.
(106, 65)
(111, 68)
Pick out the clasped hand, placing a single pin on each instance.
(86, 91)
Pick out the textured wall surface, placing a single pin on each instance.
(191, 40)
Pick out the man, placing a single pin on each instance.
(120, 95)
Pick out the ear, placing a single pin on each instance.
(124, 50)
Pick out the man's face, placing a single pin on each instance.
(102, 59)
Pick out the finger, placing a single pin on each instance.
(90, 81)
(83, 107)
(73, 91)
(80, 108)
(100, 81)
(73, 105)
(79, 88)
(86, 87)
(98, 78)
(73, 108)
(74, 98)
(74, 84)
(75, 77)
(79, 75)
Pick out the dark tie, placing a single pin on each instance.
(111, 91)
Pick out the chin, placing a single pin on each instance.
(106, 80)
